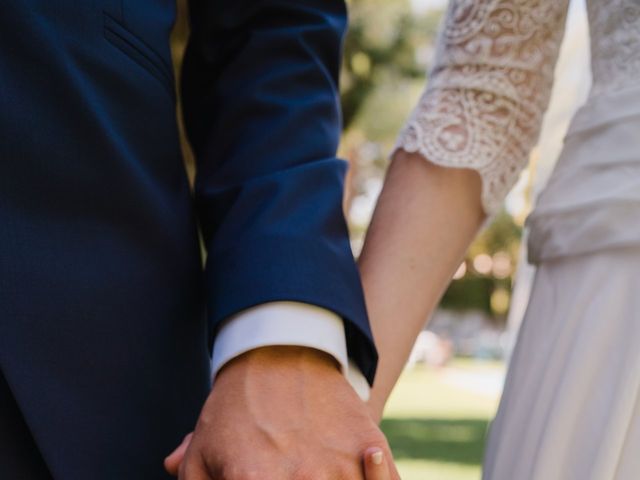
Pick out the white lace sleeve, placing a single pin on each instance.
(488, 89)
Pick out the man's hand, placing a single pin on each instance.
(280, 413)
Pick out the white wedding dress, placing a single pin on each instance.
(571, 406)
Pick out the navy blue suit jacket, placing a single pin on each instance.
(106, 314)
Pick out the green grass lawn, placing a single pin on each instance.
(437, 419)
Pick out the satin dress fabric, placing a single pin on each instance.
(571, 405)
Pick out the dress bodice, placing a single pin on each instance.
(491, 81)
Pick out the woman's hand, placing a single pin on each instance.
(376, 467)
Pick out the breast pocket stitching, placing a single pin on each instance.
(138, 51)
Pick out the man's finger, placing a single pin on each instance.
(375, 465)
(193, 470)
(173, 461)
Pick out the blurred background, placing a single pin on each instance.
(438, 416)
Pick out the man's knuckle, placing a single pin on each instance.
(372, 442)
(377, 439)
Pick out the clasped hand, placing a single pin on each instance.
(283, 413)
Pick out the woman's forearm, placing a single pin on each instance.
(424, 222)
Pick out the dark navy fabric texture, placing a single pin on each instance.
(106, 314)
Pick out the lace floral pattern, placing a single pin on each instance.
(488, 89)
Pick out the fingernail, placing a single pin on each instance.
(377, 458)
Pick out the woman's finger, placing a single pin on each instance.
(173, 461)
(375, 465)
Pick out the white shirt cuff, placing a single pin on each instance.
(287, 323)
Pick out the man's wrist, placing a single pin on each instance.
(287, 323)
(281, 323)
(280, 359)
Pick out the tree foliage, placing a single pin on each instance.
(381, 49)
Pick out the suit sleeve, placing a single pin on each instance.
(261, 108)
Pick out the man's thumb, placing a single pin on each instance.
(173, 461)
